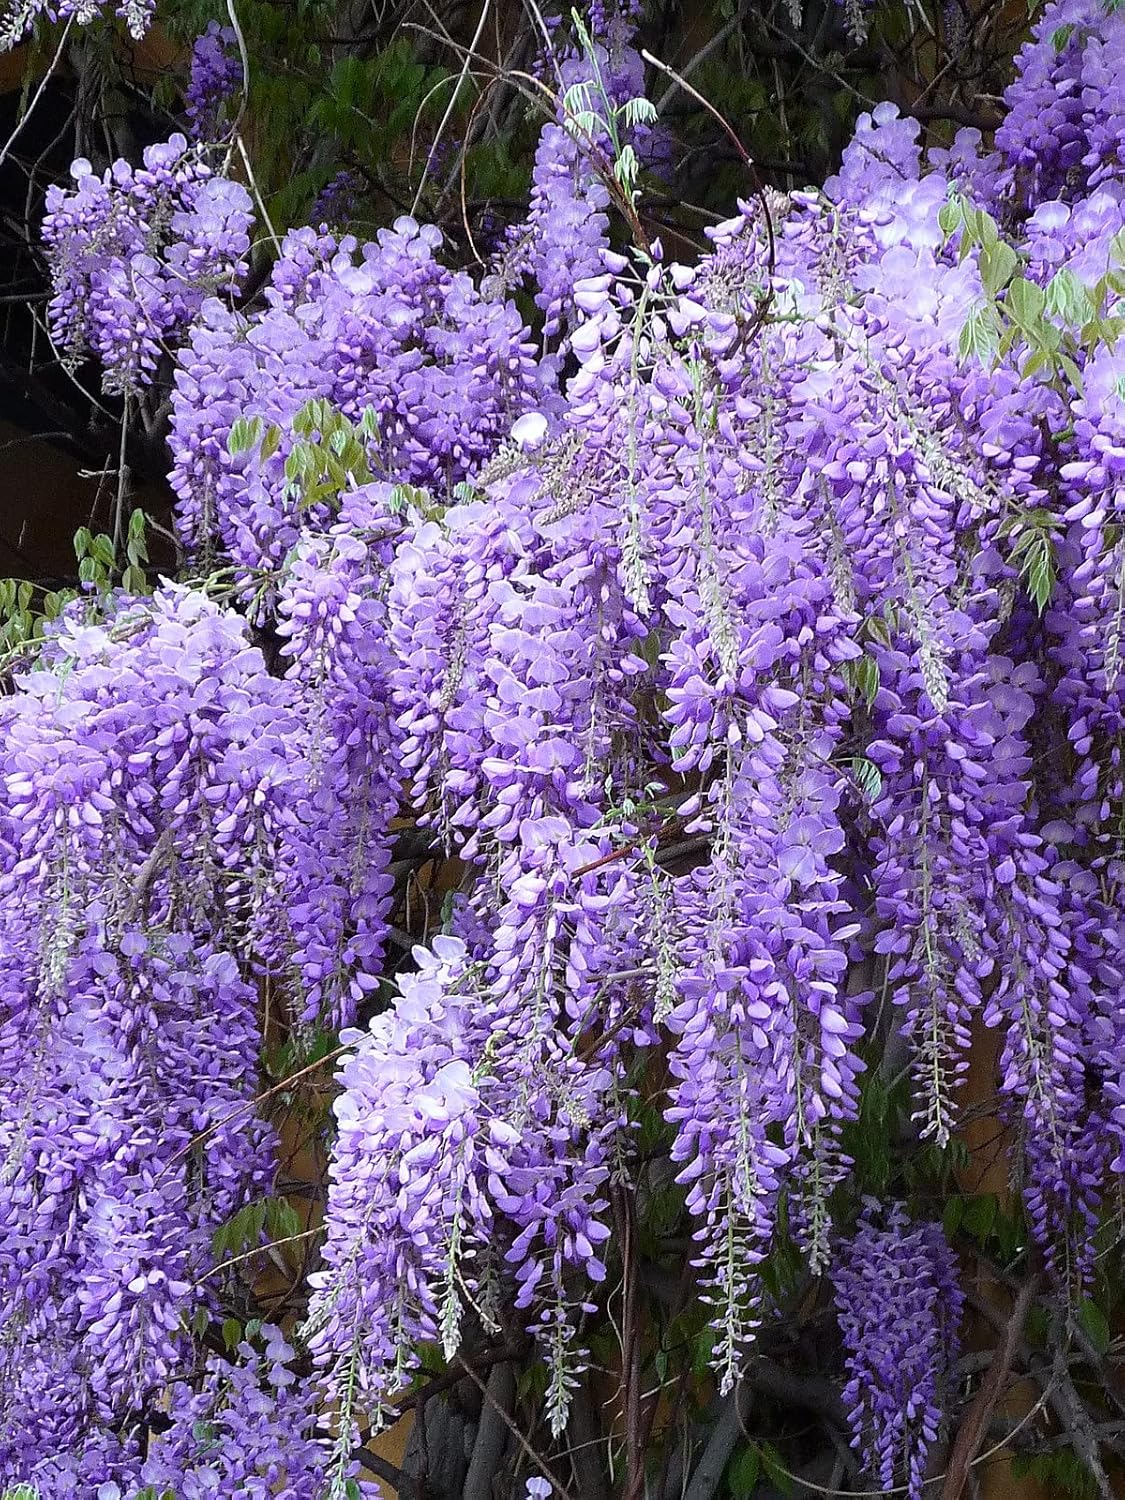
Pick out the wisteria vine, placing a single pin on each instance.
(806, 559)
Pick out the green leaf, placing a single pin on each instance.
(1034, 363)
(271, 441)
(1072, 372)
(702, 1350)
(282, 1220)
(242, 1231)
(868, 777)
(1025, 302)
(1037, 567)
(980, 337)
(950, 217)
(232, 1333)
(952, 1215)
(101, 548)
(1068, 298)
(997, 263)
(244, 433)
(774, 1469)
(987, 228)
(1095, 1325)
(864, 674)
(980, 1215)
(743, 1472)
(639, 112)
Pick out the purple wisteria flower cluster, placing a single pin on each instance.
(161, 792)
(899, 1306)
(601, 134)
(216, 76)
(761, 657)
(135, 253)
(21, 16)
(382, 330)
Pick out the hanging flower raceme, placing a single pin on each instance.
(135, 253)
(336, 846)
(899, 1307)
(435, 1147)
(600, 135)
(144, 761)
(216, 74)
(429, 374)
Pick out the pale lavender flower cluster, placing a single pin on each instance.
(719, 668)
(134, 254)
(382, 328)
(899, 1306)
(20, 16)
(1064, 131)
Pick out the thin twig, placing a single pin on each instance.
(44, 81)
(449, 108)
(971, 1431)
(290, 1239)
(254, 188)
(249, 1104)
(536, 1458)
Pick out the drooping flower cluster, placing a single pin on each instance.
(140, 761)
(337, 846)
(20, 16)
(135, 253)
(763, 655)
(899, 1307)
(384, 329)
(600, 135)
(461, 1147)
(216, 75)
